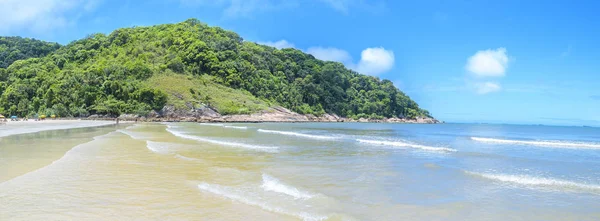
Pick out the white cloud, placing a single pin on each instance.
(41, 15)
(487, 87)
(278, 44)
(488, 63)
(375, 61)
(330, 54)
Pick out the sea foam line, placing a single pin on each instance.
(188, 158)
(236, 127)
(537, 181)
(223, 143)
(561, 144)
(403, 144)
(298, 134)
(232, 195)
(9, 130)
(273, 184)
(156, 147)
(69, 152)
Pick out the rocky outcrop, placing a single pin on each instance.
(274, 114)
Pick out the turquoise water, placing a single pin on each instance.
(306, 171)
(456, 171)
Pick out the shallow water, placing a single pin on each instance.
(312, 171)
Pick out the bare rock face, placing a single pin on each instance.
(129, 117)
(187, 115)
(153, 114)
(275, 114)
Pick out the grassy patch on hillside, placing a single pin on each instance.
(185, 90)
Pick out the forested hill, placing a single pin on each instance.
(189, 65)
(17, 48)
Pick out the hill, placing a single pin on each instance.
(17, 48)
(190, 65)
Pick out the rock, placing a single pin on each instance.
(153, 114)
(129, 117)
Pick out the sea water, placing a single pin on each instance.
(302, 171)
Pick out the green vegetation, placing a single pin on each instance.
(136, 70)
(17, 48)
(189, 91)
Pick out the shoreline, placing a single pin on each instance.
(208, 115)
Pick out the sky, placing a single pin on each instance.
(511, 61)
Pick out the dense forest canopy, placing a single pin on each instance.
(17, 48)
(112, 74)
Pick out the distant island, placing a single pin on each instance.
(189, 72)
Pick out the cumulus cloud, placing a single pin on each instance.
(330, 54)
(487, 87)
(278, 44)
(41, 15)
(375, 61)
(488, 63)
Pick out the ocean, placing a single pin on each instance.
(298, 171)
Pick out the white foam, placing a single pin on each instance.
(223, 143)
(72, 151)
(131, 134)
(559, 144)
(232, 194)
(273, 184)
(236, 127)
(318, 137)
(188, 158)
(537, 181)
(34, 127)
(160, 148)
(212, 124)
(403, 144)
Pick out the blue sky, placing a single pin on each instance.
(466, 61)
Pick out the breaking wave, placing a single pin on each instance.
(318, 137)
(403, 144)
(160, 148)
(273, 184)
(547, 143)
(236, 127)
(223, 143)
(235, 195)
(538, 181)
(188, 158)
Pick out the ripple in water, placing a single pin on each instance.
(273, 184)
(318, 137)
(558, 144)
(246, 198)
(223, 143)
(403, 144)
(531, 181)
(159, 148)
